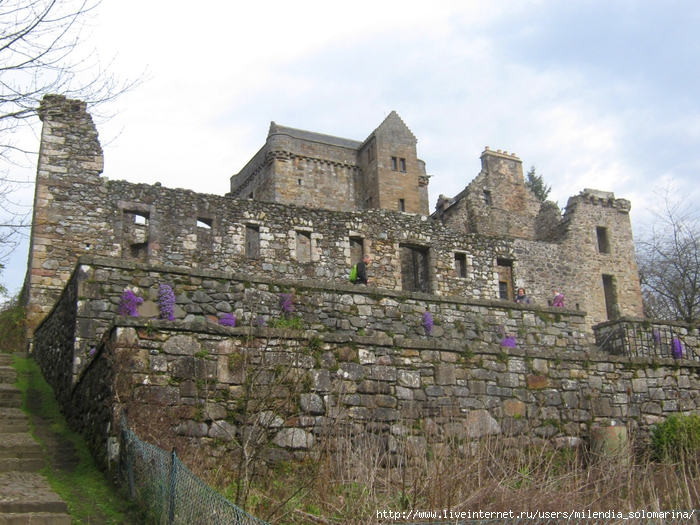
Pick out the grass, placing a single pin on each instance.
(92, 499)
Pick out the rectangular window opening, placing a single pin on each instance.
(461, 265)
(394, 164)
(402, 165)
(402, 204)
(357, 249)
(603, 239)
(252, 241)
(487, 197)
(205, 223)
(303, 246)
(610, 296)
(415, 274)
(504, 267)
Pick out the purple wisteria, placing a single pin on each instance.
(129, 303)
(286, 304)
(509, 341)
(656, 335)
(428, 322)
(166, 302)
(260, 321)
(677, 348)
(227, 320)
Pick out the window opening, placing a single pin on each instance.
(205, 223)
(394, 163)
(415, 276)
(402, 165)
(487, 197)
(504, 267)
(252, 241)
(610, 296)
(304, 247)
(603, 240)
(461, 264)
(357, 249)
(402, 205)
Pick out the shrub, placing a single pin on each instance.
(677, 437)
(12, 325)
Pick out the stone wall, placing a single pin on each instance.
(196, 376)
(204, 296)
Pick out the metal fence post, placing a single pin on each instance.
(173, 482)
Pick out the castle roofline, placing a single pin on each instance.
(311, 136)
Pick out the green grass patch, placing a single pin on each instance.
(91, 498)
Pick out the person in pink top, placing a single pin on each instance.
(558, 300)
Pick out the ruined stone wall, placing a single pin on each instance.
(421, 392)
(203, 296)
(496, 202)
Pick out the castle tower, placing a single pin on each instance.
(393, 178)
(70, 162)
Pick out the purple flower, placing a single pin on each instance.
(92, 351)
(657, 336)
(677, 351)
(509, 342)
(286, 304)
(260, 321)
(166, 302)
(428, 322)
(227, 320)
(129, 303)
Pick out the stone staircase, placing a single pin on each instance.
(25, 495)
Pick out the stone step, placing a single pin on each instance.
(5, 359)
(13, 420)
(8, 375)
(28, 492)
(10, 396)
(21, 446)
(35, 518)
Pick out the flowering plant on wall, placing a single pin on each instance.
(509, 342)
(677, 348)
(129, 303)
(166, 302)
(286, 304)
(227, 320)
(427, 322)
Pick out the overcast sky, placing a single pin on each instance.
(596, 94)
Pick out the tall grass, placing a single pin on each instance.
(12, 326)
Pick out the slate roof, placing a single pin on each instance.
(314, 137)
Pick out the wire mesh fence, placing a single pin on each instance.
(169, 492)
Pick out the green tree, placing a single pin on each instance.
(536, 184)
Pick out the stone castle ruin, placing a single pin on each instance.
(298, 216)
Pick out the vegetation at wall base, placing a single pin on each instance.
(12, 319)
(677, 438)
(91, 497)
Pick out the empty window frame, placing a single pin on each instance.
(402, 204)
(610, 294)
(461, 265)
(357, 249)
(205, 223)
(415, 274)
(303, 246)
(487, 197)
(402, 165)
(394, 164)
(252, 241)
(603, 239)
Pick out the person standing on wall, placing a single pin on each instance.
(558, 300)
(362, 270)
(522, 297)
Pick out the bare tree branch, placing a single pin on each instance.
(668, 253)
